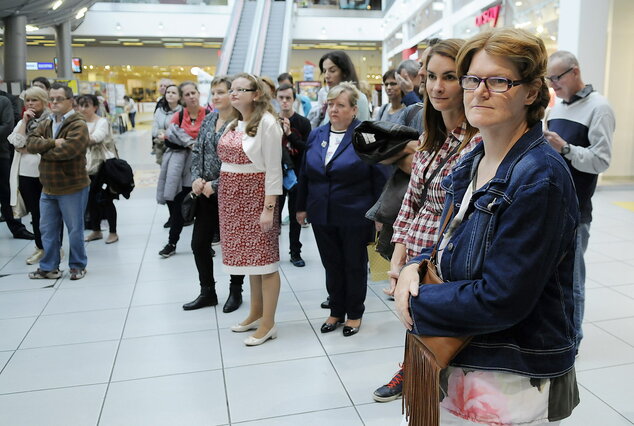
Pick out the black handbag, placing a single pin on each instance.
(188, 207)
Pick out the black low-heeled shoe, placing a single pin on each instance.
(350, 331)
(327, 328)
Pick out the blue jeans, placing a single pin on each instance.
(579, 278)
(55, 210)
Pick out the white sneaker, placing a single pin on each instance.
(35, 257)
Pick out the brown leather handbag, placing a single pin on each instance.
(426, 356)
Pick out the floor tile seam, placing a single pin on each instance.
(605, 367)
(379, 296)
(609, 319)
(67, 344)
(289, 415)
(37, 317)
(277, 361)
(158, 376)
(615, 336)
(125, 322)
(368, 350)
(76, 312)
(323, 348)
(26, 290)
(222, 368)
(168, 334)
(606, 403)
(52, 388)
(621, 293)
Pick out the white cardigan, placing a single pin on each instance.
(265, 152)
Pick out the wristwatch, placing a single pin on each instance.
(565, 149)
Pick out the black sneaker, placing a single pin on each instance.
(297, 260)
(392, 390)
(168, 250)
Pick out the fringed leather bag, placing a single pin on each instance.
(425, 357)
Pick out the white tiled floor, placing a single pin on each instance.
(117, 349)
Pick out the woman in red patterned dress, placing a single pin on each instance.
(250, 182)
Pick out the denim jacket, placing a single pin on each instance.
(508, 266)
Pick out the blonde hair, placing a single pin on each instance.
(526, 51)
(344, 87)
(261, 105)
(37, 93)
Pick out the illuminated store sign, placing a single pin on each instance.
(35, 66)
(489, 15)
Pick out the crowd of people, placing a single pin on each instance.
(498, 201)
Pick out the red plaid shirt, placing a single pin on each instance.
(417, 222)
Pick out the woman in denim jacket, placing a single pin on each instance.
(507, 256)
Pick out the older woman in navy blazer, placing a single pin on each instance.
(335, 190)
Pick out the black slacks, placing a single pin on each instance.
(205, 226)
(101, 206)
(31, 189)
(294, 228)
(14, 225)
(176, 214)
(343, 252)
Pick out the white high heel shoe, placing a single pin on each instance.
(239, 328)
(252, 341)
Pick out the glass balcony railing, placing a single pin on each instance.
(187, 2)
(340, 4)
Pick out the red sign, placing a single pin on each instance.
(488, 15)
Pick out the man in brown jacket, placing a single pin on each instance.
(61, 141)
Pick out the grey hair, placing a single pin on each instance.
(349, 88)
(410, 66)
(566, 57)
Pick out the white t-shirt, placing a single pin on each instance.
(333, 144)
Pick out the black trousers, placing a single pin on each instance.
(131, 116)
(176, 215)
(15, 225)
(343, 252)
(294, 227)
(100, 207)
(205, 226)
(31, 189)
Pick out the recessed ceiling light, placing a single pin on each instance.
(81, 12)
(57, 4)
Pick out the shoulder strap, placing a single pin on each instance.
(412, 112)
(181, 114)
(442, 231)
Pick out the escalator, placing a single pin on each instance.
(258, 39)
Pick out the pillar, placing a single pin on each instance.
(15, 50)
(582, 31)
(64, 51)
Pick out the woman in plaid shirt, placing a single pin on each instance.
(447, 137)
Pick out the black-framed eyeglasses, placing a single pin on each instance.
(58, 99)
(231, 91)
(493, 84)
(390, 84)
(556, 78)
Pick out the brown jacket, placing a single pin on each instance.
(62, 169)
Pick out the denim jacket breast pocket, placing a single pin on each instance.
(475, 234)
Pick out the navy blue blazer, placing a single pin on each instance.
(341, 192)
